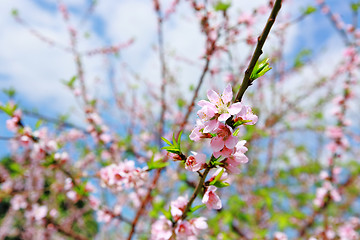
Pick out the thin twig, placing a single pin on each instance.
(258, 51)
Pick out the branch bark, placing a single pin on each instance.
(258, 51)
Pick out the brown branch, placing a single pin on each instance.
(145, 201)
(196, 191)
(66, 231)
(311, 220)
(258, 51)
(61, 123)
(192, 103)
(163, 69)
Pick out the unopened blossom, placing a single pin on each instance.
(211, 199)
(177, 206)
(161, 229)
(195, 162)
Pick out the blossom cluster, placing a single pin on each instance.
(212, 124)
(163, 229)
(327, 188)
(123, 176)
(220, 121)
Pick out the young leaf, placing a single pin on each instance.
(309, 10)
(222, 6)
(260, 69)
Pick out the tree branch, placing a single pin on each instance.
(258, 51)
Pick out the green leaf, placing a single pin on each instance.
(173, 147)
(260, 69)
(14, 12)
(38, 124)
(221, 184)
(301, 56)
(9, 109)
(309, 10)
(355, 6)
(240, 122)
(167, 213)
(222, 6)
(165, 140)
(10, 92)
(71, 82)
(236, 132)
(157, 164)
(217, 178)
(193, 209)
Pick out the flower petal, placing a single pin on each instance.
(217, 144)
(224, 117)
(227, 94)
(214, 97)
(235, 108)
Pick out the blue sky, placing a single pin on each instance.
(35, 68)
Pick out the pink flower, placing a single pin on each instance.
(219, 108)
(37, 212)
(106, 138)
(334, 132)
(211, 199)
(122, 175)
(198, 225)
(12, 124)
(246, 18)
(183, 230)
(246, 114)
(348, 232)
(178, 207)
(103, 216)
(223, 177)
(197, 132)
(239, 157)
(18, 202)
(280, 236)
(161, 229)
(195, 162)
(223, 139)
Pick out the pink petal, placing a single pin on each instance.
(227, 94)
(224, 117)
(210, 126)
(213, 97)
(202, 103)
(231, 142)
(235, 108)
(217, 144)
